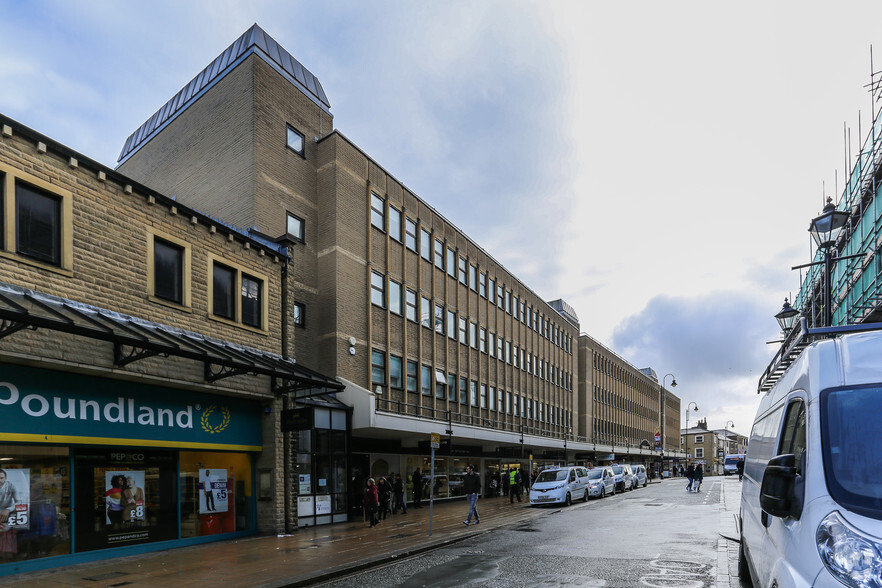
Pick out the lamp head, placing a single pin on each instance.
(674, 383)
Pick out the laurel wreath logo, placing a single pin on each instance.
(224, 413)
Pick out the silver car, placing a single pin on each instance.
(601, 481)
(640, 478)
(624, 477)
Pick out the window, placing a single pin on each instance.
(482, 284)
(492, 398)
(299, 314)
(451, 387)
(491, 345)
(482, 340)
(425, 312)
(699, 452)
(491, 288)
(395, 223)
(508, 403)
(451, 263)
(410, 305)
(38, 224)
(395, 371)
(451, 324)
(473, 335)
(170, 278)
(439, 254)
(295, 141)
(508, 302)
(394, 296)
(499, 295)
(463, 276)
(483, 395)
(296, 227)
(699, 438)
(410, 232)
(378, 290)
(439, 319)
(440, 384)
(248, 307)
(499, 342)
(463, 391)
(473, 278)
(473, 393)
(463, 335)
(378, 211)
(378, 367)
(411, 376)
(426, 380)
(426, 244)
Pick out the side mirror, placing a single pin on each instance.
(776, 492)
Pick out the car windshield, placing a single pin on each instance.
(732, 460)
(595, 474)
(552, 476)
(618, 469)
(850, 430)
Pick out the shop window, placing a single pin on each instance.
(322, 468)
(36, 515)
(216, 493)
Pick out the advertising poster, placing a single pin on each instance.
(323, 505)
(15, 498)
(212, 491)
(124, 497)
(305, 484)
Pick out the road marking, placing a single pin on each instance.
(671, 573)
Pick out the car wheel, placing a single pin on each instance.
(645, 482)
(569, 499)
(585, 496)
(743, 568)
(602, 492)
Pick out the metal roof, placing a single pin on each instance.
(253, 41)
(135, 339)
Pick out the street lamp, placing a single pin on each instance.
(687, 427)
(787, 317)
(728, 441)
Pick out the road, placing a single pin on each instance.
(660, 536)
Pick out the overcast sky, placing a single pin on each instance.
(655, 164)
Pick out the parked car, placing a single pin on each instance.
(562, 485)
(624, 477)
(601, 481)
(640, 477)
(811, 499)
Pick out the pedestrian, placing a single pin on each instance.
(384, 495)
(514, 485)
(740, 467)
(505, 476)
(417, 481)
(371, 501)
(690, 475)
(699, 477)
(471, 485)
(398, 500)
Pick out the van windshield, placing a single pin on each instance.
(594, 474)
(552, 476)
(850, 430)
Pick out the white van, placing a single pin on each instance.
(560, 485)
(811, 500)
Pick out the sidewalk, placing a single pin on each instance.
(302, 558)
(728, 542)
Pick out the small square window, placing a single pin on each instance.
(295, 140)
(296, 227)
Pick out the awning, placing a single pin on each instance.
(135, 339)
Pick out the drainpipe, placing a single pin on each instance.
(288, 243)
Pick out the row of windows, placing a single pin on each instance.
(434, 316)
(604, 396)
(632, 434)
(413, 377)
(458, 267)
(35, 222)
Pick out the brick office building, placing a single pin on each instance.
(142, 366)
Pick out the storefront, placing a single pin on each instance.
(90, 464)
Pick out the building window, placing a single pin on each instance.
(473, 393)
(296, 227)
(410, 234)
(491, 345)
(463, 276)
(439, 254)
(508, 302)
(699, 439)
(378, 211)
(426, 380)
(463, 391)
(169, 270)
(425, 312)
(451, 263)
(38, 224)
(394, 296)
(224, 286)
(410, 304)
(394, 371)
(492, 393)
(473, 335)
(499, 295)
(499, 345)
(378, 367)
(295, 140)
(439, 319)
(251, 301)
(439, 384)
(463, 335)
(451, 387)
(699, 452)
(473, 278)
(299, 314)
(378, 290)
(483, 395)
(411, 376)
(248, 307)
(395, 223)
(482, 284)
(451, 324)
(482, 340)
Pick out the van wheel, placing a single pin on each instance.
(569, 499)
(645, 482)
(602, 492)
(743, 568)
(585, 496)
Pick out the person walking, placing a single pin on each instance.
(398, 500)
(514, 485)
(740, 467)
(371, 501)
(417, 480)
(471, 485)
(690, 475)
(698, 478)
(384, 495)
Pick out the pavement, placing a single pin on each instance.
(316, 554)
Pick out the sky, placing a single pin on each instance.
(654, 164)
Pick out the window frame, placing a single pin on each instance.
(186, 269)
(292, 130)
(299, 315)
(378, 211)
(378, 288)
(394, 224)
(411, 240)
(238, 272)
(297, 236)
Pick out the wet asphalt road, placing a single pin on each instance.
(658, 536)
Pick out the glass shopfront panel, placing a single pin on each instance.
(216, 493)
(35, 504)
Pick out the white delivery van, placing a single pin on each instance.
(811, 499)
(564, 485)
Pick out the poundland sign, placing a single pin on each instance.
(53, 407)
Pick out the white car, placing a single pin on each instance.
(624, 477)
(560, 485)
(640, 477)
(601, 481)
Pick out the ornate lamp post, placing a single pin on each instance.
(687, 426)
(787, 317)
(661, 412)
